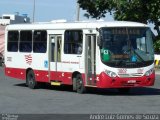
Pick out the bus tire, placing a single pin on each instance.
(74, 84)
(80, 88)
(124, 90)
(30, 81)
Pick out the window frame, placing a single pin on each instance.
(23, 43)
(71, 45)
(36, 44)
(9, 42)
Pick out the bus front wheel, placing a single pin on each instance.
(30, 81)
(80, 88)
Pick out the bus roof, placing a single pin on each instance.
(74, 25)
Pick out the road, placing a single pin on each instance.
(16, 98)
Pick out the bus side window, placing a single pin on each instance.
(59, 47)
(52, 52)
(40, 41)
(12, 43)
(25, 41)
(73, 42)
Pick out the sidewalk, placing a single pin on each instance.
(157, 71)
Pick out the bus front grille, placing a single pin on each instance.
(131, 75)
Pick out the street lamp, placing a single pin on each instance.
(33, 11)
(78, 11)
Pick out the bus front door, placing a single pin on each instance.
(90, 60)
(54, 58)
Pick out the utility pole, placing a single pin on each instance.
(78, 11)
(33, 11)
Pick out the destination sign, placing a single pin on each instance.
(125, 31)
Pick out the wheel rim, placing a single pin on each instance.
(79, 83)
(30, 79)
(80, 86)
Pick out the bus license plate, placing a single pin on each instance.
(131, 81)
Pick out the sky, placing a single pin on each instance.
(45, 10)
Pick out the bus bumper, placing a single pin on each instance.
(107, 82)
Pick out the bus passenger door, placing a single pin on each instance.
(90, 60)
(55, 44)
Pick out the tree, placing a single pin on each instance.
(95, 8)
(144, 11)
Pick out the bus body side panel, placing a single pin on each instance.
(18, 69)
(41, 75)
(15, 73)
(62, 77)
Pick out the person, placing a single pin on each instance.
(125, 49)
(79, 50)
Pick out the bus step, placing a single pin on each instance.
(55, 83)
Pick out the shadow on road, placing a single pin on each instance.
(47, 86)
(144, 91)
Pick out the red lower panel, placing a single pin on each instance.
(40, 75)
(104, 81)
(15, 73)
(18, 73)
(64, 77)
(108, 82)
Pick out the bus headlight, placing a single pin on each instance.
(149, 72)
(110, 73)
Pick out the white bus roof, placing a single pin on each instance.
(74, 25)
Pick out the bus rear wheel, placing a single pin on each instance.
(30, 81)
(80, 88)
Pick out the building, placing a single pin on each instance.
(7, 19)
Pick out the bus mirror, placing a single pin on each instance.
(99, 42)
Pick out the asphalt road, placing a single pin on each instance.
(16, 98)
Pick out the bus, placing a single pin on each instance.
(98, 54)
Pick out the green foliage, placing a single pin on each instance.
(157, 45)
(132, 11)
(95, 8)
(143, 11)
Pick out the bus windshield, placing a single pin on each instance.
(127, 47)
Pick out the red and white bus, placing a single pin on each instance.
(83, 54)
